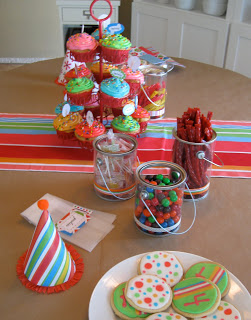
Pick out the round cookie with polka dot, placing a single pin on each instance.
(225, 311)
(162, 264)
(148, 293)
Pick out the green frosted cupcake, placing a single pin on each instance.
(115, 48)
(79, 90)
(125, 124)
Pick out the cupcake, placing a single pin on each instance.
(79, 90)
(65, 126)
(83, 71)
(118, 111)
(86, 133)
(125, 124)
(113, 92)
(95, 34)
(115, 48)
(73, 108)
(93, 106)
(134, 79)
(82, 46)
(95, 69)
(142, 116)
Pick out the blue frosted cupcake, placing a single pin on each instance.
(95, 34)
(114, 92)
(73, 108)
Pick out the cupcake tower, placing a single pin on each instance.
(99, 89)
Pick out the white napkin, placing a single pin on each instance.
(88, 236)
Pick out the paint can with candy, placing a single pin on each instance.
(115, 162)
(159, 198)
(197, 159)
(153, 93)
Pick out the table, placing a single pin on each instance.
(222, 228)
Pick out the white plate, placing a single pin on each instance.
(99, 307)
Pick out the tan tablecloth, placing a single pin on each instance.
(222, 228)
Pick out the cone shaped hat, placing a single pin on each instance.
(67, 65)
(47, 262)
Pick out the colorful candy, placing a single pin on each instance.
(159, 206)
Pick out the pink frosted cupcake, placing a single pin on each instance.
(83, 71)
(82, 46)
(134, 79)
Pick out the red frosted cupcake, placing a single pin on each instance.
(115, 48)
(142, 116)
(86, 133)
(79, 90)
(135, 79)
(83, 71)
(65, 126)
(82, 46)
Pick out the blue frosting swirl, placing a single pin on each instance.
(95, 33)
(115, 87)
(73, 108)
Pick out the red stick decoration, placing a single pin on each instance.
(100, 21)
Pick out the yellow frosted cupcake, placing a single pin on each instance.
(65, 126)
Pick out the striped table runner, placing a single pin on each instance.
(29, 142)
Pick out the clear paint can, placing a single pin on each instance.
(114, 166)
(159, 197)
(153, 93)
(197, 160)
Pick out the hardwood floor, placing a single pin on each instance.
(9, 66)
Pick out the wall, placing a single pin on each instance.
(29, 30)
(125, 10)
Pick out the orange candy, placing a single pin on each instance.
(166, 216)
(154, 182)
(179, 193)
(138, 211)
(160, 220)
(173, 213)
(146, 213)
(179, 201)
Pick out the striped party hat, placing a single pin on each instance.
(49, 263)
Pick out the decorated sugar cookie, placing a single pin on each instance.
(211, 271)
(122, 308)
(166, 316)
(195, 297)
(225, 311)
(162, 264)
(148, 293)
